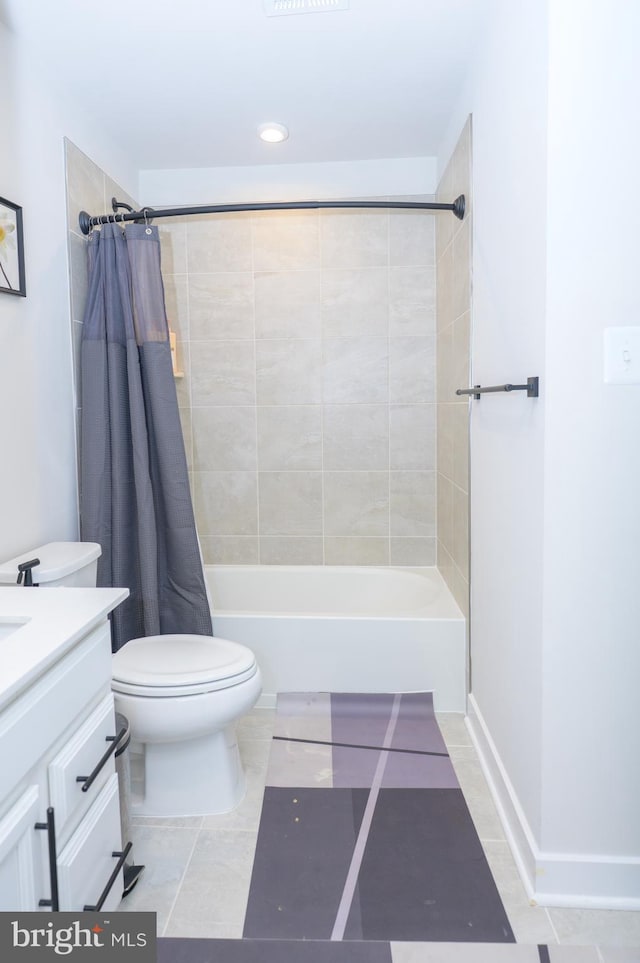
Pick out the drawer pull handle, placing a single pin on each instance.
(88, 781)
(105, 892)
(50, 826)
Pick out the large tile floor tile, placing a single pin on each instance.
(530, 924)
(574, 954)
(168, 822)
(255, 755)
(246, 816)
(453, 728)
(619, 954)
(216, 884)
(257, 724)
(165, 853)
(602, 927)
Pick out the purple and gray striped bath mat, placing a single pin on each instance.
(365, 833)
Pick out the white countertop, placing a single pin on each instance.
(54, 620)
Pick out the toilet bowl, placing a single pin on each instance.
(182, 695)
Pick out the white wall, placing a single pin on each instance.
(555, 511)
(288, 182)
(37, 480)
(506, 94)
(18, 476)
(591, 776)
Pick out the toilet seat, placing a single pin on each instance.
(164, 666)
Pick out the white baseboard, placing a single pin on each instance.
(582, 881)
(514, 822)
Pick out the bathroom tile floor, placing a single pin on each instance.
(198, 869)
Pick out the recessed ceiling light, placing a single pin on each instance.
(279, 8)
(273, 133)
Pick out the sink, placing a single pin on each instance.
(10, 625)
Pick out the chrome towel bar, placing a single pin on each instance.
(531, 388)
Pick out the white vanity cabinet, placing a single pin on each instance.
(20, 874)
(60, 839)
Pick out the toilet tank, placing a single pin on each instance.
(73, 564)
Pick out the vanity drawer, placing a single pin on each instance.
(81, 756)
(37, 719)
(86, 863)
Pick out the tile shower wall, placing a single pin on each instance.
(307, 342)
(453, 249)
(89, 188)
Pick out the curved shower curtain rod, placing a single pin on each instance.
(147, 213)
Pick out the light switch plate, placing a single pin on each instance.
(622, 356)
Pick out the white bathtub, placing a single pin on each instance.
(319, 628)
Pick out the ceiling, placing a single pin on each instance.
(186, 83)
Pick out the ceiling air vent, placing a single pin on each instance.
(283, 8)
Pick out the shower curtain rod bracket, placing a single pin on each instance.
(116, 205)
(86, 221)
(459, 206)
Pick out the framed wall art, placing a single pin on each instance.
(11, 249)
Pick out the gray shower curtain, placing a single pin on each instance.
(135, 498)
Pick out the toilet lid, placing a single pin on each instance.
(181, 660)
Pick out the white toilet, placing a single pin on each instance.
(182, 695)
